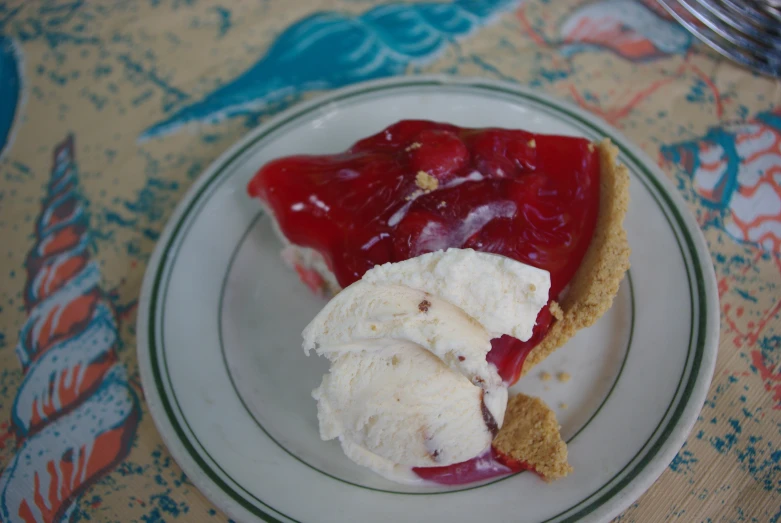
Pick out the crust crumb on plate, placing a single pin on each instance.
(596, 281)
(530, 435)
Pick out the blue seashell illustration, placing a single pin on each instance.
(329, 49)
(10, 88)
(734, 172)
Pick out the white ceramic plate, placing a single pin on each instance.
(228, 384)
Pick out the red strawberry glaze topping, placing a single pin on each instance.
(488, 465)
(420, 186)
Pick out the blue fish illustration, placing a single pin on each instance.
(10, 88)
(329, 49)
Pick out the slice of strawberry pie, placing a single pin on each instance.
(553, 202)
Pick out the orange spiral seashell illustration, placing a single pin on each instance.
(74, 413)
(629, 29)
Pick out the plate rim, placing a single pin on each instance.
(661, 452)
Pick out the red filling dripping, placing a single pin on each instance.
(488, 465)
(533, 198)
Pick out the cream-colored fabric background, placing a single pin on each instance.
(105, 72)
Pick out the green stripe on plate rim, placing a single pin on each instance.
(658, 192)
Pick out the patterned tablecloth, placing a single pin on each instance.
(110, 109)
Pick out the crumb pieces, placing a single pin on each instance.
(424, 306)
(413, 146)
(562, 377)
(563, 405)
(532, 143)
(426, 184)
(425, 181)
(442, 205)
(531, 434)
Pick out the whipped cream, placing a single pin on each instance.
(409, 384)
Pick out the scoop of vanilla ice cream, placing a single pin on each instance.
(409, 384)
(502, 294)
(413, 411)
(364, 312)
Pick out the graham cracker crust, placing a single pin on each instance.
(530, 432)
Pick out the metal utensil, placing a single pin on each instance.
(747, 31)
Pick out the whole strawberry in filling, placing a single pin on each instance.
(420, 186)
